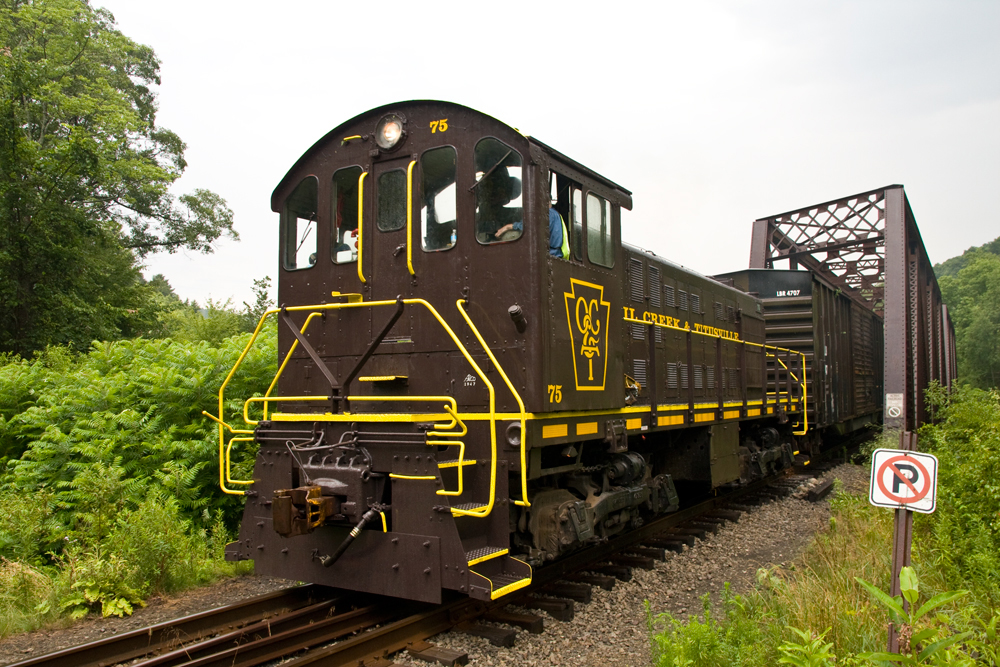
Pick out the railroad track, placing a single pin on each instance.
(314, 625)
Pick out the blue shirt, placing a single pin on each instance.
(555, 233)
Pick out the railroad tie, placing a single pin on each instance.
(734, 507)
(821, 491)
(497, 636)
(619, 572)
(676, 545)
(641, 562)
(707, 526)
(424, 650)
(605, 582)
(558, 608)
(657, 553)
(678, 537)
(727, 514)
(533, 624)
(574, 591)
(690, 530)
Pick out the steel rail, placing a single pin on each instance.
(316, 627)
(130, 645)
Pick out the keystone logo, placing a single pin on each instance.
(588, 315)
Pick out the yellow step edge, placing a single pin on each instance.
(509, 588)
(495, 554)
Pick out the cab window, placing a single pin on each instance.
(499, 213)
(391, 200)
(344, 215)
(599, 247)
(438, 226)
(567, 199)
(576, 212)
(298, 222)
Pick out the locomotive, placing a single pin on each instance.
(457, 400)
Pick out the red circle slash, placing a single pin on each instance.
(918, 495)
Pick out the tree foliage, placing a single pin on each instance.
(85, 173)
(951, 266)
(973, 298)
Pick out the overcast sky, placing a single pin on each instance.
(712, 113)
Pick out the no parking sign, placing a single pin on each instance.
(904, 479)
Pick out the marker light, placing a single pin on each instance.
(389, 131)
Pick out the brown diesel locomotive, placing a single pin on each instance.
(457, 401)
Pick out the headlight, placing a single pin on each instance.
(389, 131)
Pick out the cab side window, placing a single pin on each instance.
(438, 227)
(600, 249)
(567, 200)
(298, 223)
(499, 213)
(344, 215)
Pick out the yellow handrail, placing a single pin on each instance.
(482, 511)
(224, 461)
(409, 217)
(361, 222)
(805, 401)
(524, 431)
(460, 461)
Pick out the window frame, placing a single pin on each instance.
(610, 208)
(378, 200)
(420, 168)
(476, 186)
(284, 226)
(334, 230)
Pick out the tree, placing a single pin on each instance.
(973, 298)
(85, 173)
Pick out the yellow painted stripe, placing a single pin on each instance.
(770, 411)
(704, 417)
(632, 424)
(495, 554)
(731, 414)
(671, 420)
(454, 464)
(380, 378)
(425, 477)
(587, 428)
(753, 413)
(555, 431)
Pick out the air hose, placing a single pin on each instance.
(327, 561)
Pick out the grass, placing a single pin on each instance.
(819, 595)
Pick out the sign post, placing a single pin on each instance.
(905, 480)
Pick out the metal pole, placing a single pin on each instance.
(902, 540)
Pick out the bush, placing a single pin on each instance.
(960, 542)
(109, 476)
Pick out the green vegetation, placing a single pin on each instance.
(85, 173)
(827, 606)
(951, 267)
(973, 298)
(109, 477)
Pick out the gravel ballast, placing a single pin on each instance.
(610, 630)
